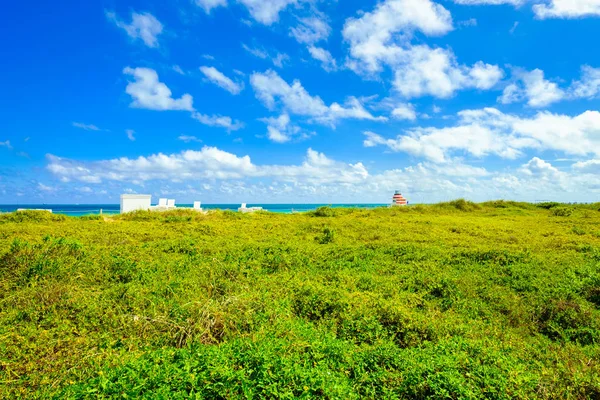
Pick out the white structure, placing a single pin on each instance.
(244, 209)
(135, 202)
(34, 209)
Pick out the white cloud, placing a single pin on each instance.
(404, 111)
(532, 87)
(86, 127)
(435, 72)
(45, 188)
(189, 139)
(218, 121)
(6, 144)
(178, 69)
(149, 93)
(373, 37)
(277, 59)
(318, 178)
(280, 129)
(256, 52)
(219, 79)
(130, 134)
(590, 166)
(567, 9)
(266, 11)
(540, 168)
(489, 2)
(208, 5)
(468, 22)
(271, 89)
(311, 30)
(383, 37)
(207, 163)
(143, 26)
(589, 85)
(327, 61)
(488, 131)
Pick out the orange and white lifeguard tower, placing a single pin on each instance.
(399, 200)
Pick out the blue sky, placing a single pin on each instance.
(277, 101)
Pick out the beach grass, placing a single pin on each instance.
(458, 300)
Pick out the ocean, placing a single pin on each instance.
(77, 210)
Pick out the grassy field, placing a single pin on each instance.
(498, 300)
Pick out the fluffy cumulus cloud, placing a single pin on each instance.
(280, 129)
(148, 92)
(404, 111)
(538, 167)
(207, 163)
(383, 38)
(589, 166)
(533, 88)
(488, 131)
(589, 85)
(273, 90)
(567, 9)
(537, 91)
(489, 2)
(143, 26)
(266, 11)
(208, 5)
(263, 11)
(436, 72)
(211, 170)
(219, 79)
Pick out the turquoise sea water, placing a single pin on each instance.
(77, 210)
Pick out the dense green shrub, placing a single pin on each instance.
(460, 204)
(561, 212)
(548, 205)
(324, 212)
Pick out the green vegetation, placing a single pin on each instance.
(498, 300)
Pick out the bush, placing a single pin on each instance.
(548, 205)
(568, 320)
(327, 237)
(561, 212)
(461, 205)
(324, 212)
